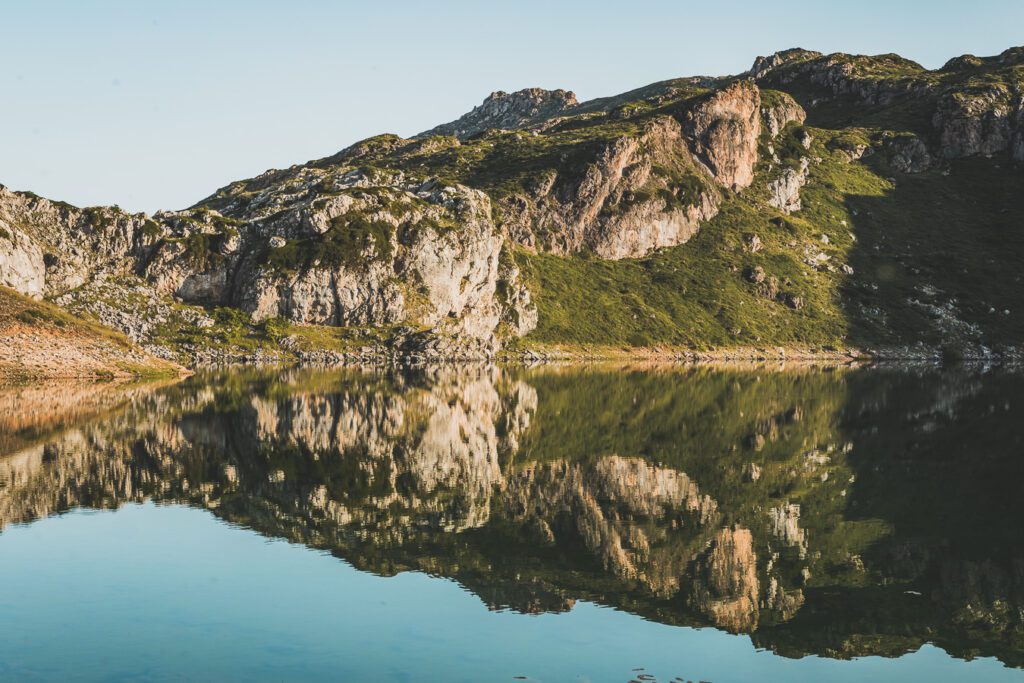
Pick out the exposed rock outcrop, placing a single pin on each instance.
(646, 191)
(628, 202)
(506, 111)
(969, 117)
(425, 255)
(21, 262)
(910, 154)
(981, 122)
(48, 247)
(778, 111)
(724, 129)
(784, 189)
(764, 65)
(876, 80)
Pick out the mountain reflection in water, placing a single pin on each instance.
(832, 512)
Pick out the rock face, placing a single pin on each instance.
(626, 202)
(968, 117)
(649, 190)
(505, 111)
(910, 155)
(985, 122)
(47, 247)
(764, 65)
(784, 189)
(780, 111)
(725, 129)
(423, 254)
(639, 191)
(21, 262)
(865, 78)
(417, 254)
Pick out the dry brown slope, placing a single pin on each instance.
(39, 340)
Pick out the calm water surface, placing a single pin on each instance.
(505, 524)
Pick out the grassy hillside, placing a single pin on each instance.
(933, 258)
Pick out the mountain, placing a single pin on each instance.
(822, 203)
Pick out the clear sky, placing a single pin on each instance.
(155, 105)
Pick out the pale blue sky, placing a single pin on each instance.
(156, 104)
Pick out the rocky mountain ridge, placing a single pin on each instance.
(973, 105)
(506, 111)
(473, 234)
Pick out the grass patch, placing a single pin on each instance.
(344, 244)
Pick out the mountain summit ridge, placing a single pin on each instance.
(502, 110)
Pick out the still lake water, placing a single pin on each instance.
(554, 524)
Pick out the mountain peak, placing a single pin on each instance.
(503, 110)
(762, 65)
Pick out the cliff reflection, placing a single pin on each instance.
(832, 512)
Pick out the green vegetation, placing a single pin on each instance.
(99, 217)
(151, 229)
(236, 336)
(344, 244)
(201, 250)
(505, 163)
(939, 241)
(695, 295)
(890, 92)
(954, 232)
(508, 162)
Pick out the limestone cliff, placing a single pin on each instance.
(724, 129)
(639, 193)
(346, 249)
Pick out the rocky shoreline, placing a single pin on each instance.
(374, 358)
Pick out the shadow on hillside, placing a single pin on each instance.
(938, 259)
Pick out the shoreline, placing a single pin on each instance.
(64, 368)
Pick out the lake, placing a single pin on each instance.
(498, 524)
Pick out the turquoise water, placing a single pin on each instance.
(439, 528)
